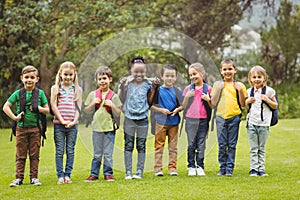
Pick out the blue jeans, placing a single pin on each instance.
(196, 130)
(228, 131)
(103, 143)
(132, 128)
(258, 136)
(64, 138)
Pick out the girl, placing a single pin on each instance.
(137, 95)
(197, 112)
(261, 99)
(65, 102)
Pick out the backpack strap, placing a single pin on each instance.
(22, 94)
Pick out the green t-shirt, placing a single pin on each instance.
(30, 118)
(102, 121)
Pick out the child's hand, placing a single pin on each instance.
(250, 100)
(108, 103)
(19, 116)
(177, 110)
(97, 101)
(264, 98)
(70, 124)
(190, 93)
(165, 111)
(205, 97)
(237, 86)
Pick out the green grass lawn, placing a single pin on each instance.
(282, 165)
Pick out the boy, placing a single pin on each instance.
(167, 105)
(103, 124)
(28, 136)
(228, 96)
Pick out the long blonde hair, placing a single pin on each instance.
(66, 65)
(260, 71)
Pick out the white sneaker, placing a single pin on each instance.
(128, 176)
(200, 171)
(138, 174)
(35, 181)
(191, 171)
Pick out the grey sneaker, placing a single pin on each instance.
(35, 181)
(173, 172)
(158, 173)
(16, 183)
(138, 174)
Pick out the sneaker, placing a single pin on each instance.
(138, 174)
(253, 172)
(221, 173)
(158, 173)
(128, 175)
(228, 173)
(173, 172)
(200, 171)
(262, 173)
(109, 178)
(35, 181)
(68, 179)
(91, 178)
(16, 183)
(60, 181)
(192, 171)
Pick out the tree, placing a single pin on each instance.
(281, 44)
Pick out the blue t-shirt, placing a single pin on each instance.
(136, 104)
(167, 99)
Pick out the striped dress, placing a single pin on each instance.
(65, 104)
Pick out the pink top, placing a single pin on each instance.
(197, 109)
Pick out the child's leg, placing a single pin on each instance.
(129, 132)
(201, 142)
(98, 139)
(222, 143)
(172, 146)
(263, 134)
(191, 127)
(59, 139)
(160, 138)
(141, 137)
(21, 151)
(108, 148)
(233, 125)
(71, 136)
(253, 141)
(34, 151)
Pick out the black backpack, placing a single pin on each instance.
(190, 101)
(155, 102)
(40, 116)
(274, 119)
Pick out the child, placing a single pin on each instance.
(65, 102)
(228, 96)
(167, 105)
(137, 96)
(28, 135)
(103, 124)
(197, 118)
(259, 118)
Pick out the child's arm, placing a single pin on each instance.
(248, 101)
(216, 95)
(53, 104)
(161, 110)
(91, 106)
(116, 110)
(10, 114)
(270, 101)
(44, 109)
(189, 94)
(241, 93)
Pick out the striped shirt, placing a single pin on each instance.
(66, 104)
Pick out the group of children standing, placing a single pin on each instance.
(135, 96)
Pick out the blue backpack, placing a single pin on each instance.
(274, 119)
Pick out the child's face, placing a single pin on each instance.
(257, 80)
(103, 82)
(228, 71)
(67, 76)
(29, 80)
(195, 76)
(169, 77)
(138, 71)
